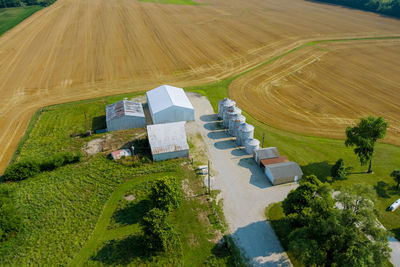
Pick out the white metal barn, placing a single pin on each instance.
(168, 140)
(169, 104)
(124, 115)
(285, 172)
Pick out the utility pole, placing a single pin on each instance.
(209, 180)
(262, 145)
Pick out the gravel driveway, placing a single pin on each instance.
(244, 188)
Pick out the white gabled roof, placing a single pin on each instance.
(167, 137)
(165, 96)
(124, 108)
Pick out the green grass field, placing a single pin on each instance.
(77, 215)
(174, 2)
(10, 17)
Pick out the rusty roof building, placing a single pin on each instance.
(168, 140)
(124, 115)
(265, 162)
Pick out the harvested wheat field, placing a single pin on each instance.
(74, 49)
(321, 89)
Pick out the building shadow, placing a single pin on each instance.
(209, 118)
(218, 135)
(214, 126)
(226, 144)
(257, 178)
(321, 169)
(238, 152)
(257, 237)
(99, 123)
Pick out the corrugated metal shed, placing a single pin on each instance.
(168, 140)
(169, 104)
(265, 153)
(265, 162)
(125, 114)
(283, 172)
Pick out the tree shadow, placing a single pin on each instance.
(99, 123)
(380, 189)
(396, 233)
(321, 169)
(224, 249)
(133, 213)
(122, 252)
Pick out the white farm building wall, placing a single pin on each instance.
(169, 104)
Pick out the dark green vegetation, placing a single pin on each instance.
(317, 155)
(29, 168)
(174, 2)
(79, 214)
(339, 170)
(387, 7)
(396, 177)
(320, 234)
(23, 3)
(10, 220)
(10, 17)
(364, 136)
(166, 194)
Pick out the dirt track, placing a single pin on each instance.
(82, 49)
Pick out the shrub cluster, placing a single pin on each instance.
(339, 170)
(28, 168)
(166, 196)
(10, 220)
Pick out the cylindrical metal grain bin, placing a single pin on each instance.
(251, 145)
(238, 139)
(238, 121)
(246, 132)
(235, 112)
(221, 107)
(231, 126)
(227, 106)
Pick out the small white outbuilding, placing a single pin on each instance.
(124, 115)
(169, 104)
(285, 172)
(168, 140)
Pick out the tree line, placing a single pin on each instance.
(390, 8)
(17, 3)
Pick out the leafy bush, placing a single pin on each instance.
(21, 170)
(159, 233)
(28, 168)
(339, 170)
(10, 220)
(166, 194)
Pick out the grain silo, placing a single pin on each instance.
(230, 115)
(228, 106)
(231, 126)
(221, 107)
(251, 145)
(238, 140)
(246, 132)
(238, 121)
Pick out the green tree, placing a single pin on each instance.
(364, 136)
(396, 176)
(166, 193)
(339, 170)
(158, 232)
(21, 170)
(346, 236)
(297, 200)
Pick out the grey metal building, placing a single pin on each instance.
(168, 140)
(169, 104)
(281, 173)
(124, 115)
(265, 153)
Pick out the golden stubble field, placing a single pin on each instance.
(74, 49)
(321, 89)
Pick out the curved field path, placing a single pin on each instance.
(323, 88)
(78, 49)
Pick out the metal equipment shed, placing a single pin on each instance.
(168, 140)
(265, 162)
(124, 115)
(281, 173)
(169, 104)
(265, 153)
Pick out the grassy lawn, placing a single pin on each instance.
(317, 155)
(77, 214)
(10, 17)
(174, 2)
